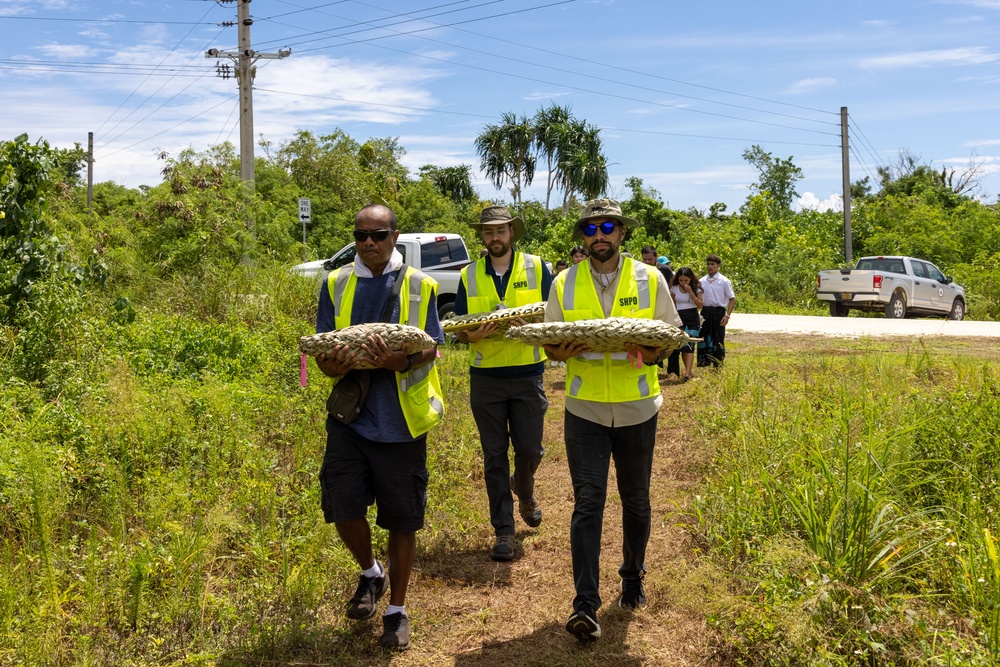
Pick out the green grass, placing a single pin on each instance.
(159, 504)
(851, 494)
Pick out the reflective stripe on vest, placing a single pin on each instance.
(523, 288)
(608, 377)
(420, 395)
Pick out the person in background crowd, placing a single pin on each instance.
(506, 392)
(578, 254)
(719, 301)
(561, 266)
(663, 263)
(611, 407)
(686, 293)
(381, 456)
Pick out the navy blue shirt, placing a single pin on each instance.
(500, 282)
(381, 418)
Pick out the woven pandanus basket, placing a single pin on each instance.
(532, 312)
(394, 335)
(607, 335)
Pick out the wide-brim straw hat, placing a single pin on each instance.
(602, 209)
(498, 215)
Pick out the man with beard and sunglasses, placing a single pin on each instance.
(505, 376)
(611, 406)
(381, 456)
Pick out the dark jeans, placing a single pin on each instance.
(589, 450)
(508, 411)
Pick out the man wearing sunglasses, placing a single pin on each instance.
(611, 406)
(381, 456)
(505, 376)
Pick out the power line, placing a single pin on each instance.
(868, 145)
(144, 81)
(86, 20)
(623, 69)
(615, 81)
(600, 93)
(860, 160)
(551, 83)
(703, 136)
(435, 27)
(170, 129)
(376, 104)
(476, 115)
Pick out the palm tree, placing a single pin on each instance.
(582, 164)
(505, 153)
(550, 125)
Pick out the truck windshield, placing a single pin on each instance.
(881, 264)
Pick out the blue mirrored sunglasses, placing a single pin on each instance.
(606, 228)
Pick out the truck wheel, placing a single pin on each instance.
(446, 310)
(896, 308)
(838, 309)
(957, 310)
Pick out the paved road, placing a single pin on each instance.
(854, 327)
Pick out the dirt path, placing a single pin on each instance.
(470, 611)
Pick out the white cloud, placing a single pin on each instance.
(810, 202)
(809, 85)
(66, 51)
(973, 55)
(982, 142)
(542, 95)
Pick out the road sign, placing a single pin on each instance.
(305, 210)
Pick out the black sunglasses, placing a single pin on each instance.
(378, 235)
(606, 228)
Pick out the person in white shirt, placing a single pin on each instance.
(718, 302)
(686, 292)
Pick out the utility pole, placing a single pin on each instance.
(244, 58)
(845, 159)
(90, 169)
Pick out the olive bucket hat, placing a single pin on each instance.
(602, 209)
(497, 215)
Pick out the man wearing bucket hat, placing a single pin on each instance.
(611, 406)
(505, 376)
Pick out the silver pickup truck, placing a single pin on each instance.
(441, 256)
(898, 286)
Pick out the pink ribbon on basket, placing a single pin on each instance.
(635, 359)
(302, 371)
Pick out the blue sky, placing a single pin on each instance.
(680, 90)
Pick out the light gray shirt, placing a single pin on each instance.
(627, 413)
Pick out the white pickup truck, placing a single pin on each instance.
(898, 286)
(441, 256)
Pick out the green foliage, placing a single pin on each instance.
(453, 182)
(850, 495)
(776, 178)
(505, 153)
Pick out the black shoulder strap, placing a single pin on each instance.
(390, 305)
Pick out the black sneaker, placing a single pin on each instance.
(583, 625)
(503, 548)
(364, 604)
(632, 593)
(530, 512)
(395, 632)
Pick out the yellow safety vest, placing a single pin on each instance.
(524, 287)
(608, 377)
(420, 395)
